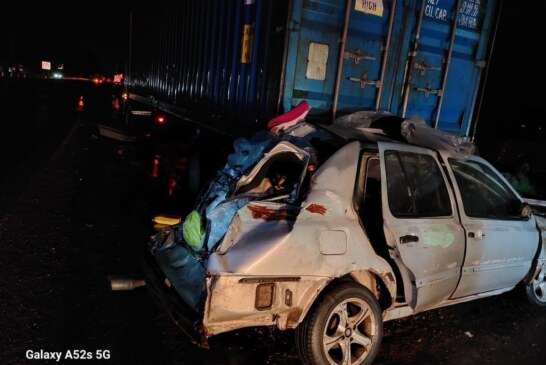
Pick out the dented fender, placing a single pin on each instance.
(231, 301)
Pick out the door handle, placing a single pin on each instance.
(477, 235)
(409, 238)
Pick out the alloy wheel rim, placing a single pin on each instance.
(349, 333)
(539, 286)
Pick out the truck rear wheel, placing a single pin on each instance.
(344, 327)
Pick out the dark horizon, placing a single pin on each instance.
(84, 42)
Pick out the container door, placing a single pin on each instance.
(316, 28)
(422, 229)
(444, 44)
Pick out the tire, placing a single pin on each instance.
(536, 290)
(323, 338)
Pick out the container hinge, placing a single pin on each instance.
(427, 91)
(357, 56)
(363, 79)
(481, 64)
(293, 25)
(424, 67)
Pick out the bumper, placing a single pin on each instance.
(166, 297)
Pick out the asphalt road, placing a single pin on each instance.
(76, 207)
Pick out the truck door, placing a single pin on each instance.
(421, 227)
(500, 243)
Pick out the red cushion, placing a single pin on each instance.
(296, 113)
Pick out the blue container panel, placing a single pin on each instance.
(321, 22)
(189, 54)
(413, 81)
(367, 35)
(463, 74)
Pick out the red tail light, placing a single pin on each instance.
(155, 171)
(172, 186)
(160, 119)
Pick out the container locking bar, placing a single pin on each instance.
(363, 79)
(427, 91)
(424, 67)
(357, 56)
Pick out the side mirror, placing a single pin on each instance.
(526, 211)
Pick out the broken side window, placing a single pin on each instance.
(415, 186)
(483, 193)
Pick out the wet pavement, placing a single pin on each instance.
(77, 207)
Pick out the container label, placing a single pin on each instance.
(435, 10)
(246, 43)
(372, 7)
(470, 14)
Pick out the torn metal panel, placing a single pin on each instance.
(340, 168)
(277, 176)
(293, 247)
(231, 302)
(369, 280)
(254, 220)
(259, 171)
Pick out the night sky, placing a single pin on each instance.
(92, 37)
(513, 103)
(87, 37)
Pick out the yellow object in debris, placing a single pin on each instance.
(168, 220)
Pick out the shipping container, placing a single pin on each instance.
(232, 64)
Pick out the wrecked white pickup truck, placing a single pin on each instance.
(334, 230)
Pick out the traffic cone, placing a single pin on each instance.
(80, 104)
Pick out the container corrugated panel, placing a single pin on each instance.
(443, 67)
(314, 55)
(410, 57)
(216, 59)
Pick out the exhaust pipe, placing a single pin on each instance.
(125, 283)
